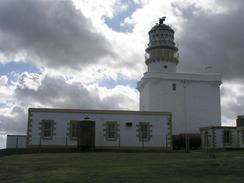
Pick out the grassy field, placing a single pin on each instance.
(123, 167)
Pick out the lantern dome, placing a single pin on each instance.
(161, 36)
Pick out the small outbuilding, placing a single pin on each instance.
(219, 137)
(16, 141)
(223, 137)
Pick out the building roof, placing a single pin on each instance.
(99, 111)
(161, 27)
(214, 127)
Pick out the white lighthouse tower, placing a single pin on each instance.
(193, 99)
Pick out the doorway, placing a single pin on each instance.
(86, 135)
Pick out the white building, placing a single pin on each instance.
(193, 99)
(223, 137)
(99, 129)
(219, 137)
(190, 100)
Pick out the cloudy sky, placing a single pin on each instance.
(90, 53)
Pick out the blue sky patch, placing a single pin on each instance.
(12, 68)
(110, 83)
(115, 22)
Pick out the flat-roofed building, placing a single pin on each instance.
(99, 129)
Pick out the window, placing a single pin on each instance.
(74, 127)
(144, 131)
(129, 124)
(227, 137)
(111, 130)
(165, 66)
(47, 129)
(174, 86)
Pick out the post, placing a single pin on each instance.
(187, 142)
(40, 143)
(17, 143)
(93, 141)
(166, 143)
(207, 143)
(142, 141)
(78, 136)
(66, 143)
(119, 142)
(185, 83)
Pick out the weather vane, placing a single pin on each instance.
(161, 20)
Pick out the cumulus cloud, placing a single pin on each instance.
(37, 90)
(13, 120)
(56, 91)
(213, 39)
(51, 33)
(5, 89)
(232, 101)
(3, 80)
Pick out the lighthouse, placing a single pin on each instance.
(193, 98)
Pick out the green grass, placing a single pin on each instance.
(123, 167)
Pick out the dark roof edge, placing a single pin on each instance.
(17, 135)
(98, 111)
(212, 127)
(164, 26)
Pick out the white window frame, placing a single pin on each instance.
(73, 124)
(144, 134)
(44, 129)
(227, 139)
(111, 130)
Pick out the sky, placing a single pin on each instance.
(90, 53)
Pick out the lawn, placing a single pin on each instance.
(123, 167)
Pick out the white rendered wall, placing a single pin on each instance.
(16, 141)
(219, 138)
(215, 137)
(160, 128)
(194, 104)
